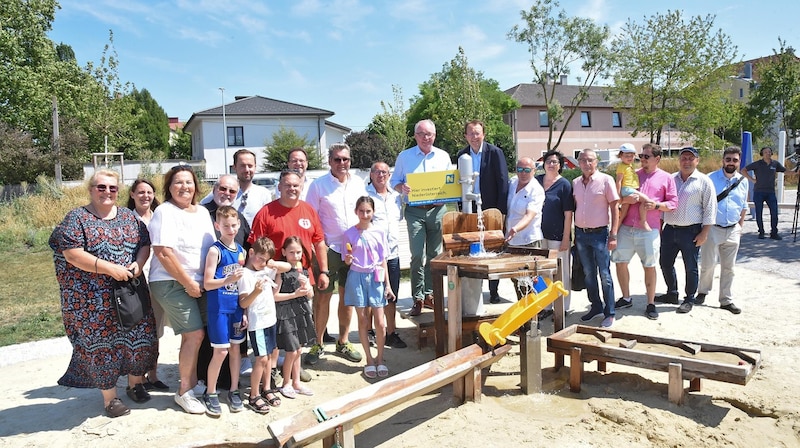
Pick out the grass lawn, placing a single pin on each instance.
(30, 307)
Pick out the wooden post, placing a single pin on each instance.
(454, 324)
(472, 386)
(530, 359)
(575, 370)
(675, 393)
(438, 316)
(694, 385)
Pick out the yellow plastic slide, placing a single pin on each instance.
(521, 312)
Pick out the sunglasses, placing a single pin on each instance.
(341, 159)
(182, 167)
(227, 190)
(380, 172)
(731, 159)
(102, 188)
(243, 202)
(645, 156)
(524, 170)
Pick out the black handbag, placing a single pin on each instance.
(577, 275)
(131, 301)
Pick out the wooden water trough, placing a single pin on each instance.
(683, 360)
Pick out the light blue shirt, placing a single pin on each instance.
(729, 210)
(476, 167)
(413, 160)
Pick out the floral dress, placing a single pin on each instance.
(101, 350)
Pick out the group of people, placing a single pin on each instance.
(249, 271)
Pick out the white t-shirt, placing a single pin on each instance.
(261, 313)
(530, 197)
(188, 234)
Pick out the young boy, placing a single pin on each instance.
(226, 324)
(628, 184)
(256, 293)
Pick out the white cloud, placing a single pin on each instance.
(306, 8)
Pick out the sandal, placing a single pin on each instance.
(157, 384)
(383, 371)
(116, 408)
(138, 393)
(258, 404)
(274, 401)
(370, 371)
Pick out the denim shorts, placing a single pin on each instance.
(362, 291)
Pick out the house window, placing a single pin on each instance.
(543, 121)
(586, 119)
(741, 93)
(235, 136)
(616, 120)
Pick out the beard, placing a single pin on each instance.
(730, 169)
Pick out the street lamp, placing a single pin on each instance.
(224, 133)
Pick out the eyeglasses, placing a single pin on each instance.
(380, 172)
(341, 159)
(646, 156)
(424, 134)
(731, 159)
(102, 188)
(182, 167)
(552, 162)
(582, 160)
(227, 190)
(524, 170)
(298, 161)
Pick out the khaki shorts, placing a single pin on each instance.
(338, 269)
(184, 313)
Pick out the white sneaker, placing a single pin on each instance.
(247, 367)
(190, 403)
(199, 388)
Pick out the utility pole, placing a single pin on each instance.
(224, 133)
(56, 142)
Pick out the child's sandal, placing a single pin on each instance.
(258, 404)
(272, 397)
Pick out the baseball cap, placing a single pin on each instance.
(691, 150)
(627, 147)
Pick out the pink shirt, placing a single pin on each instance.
(592, 200)
(658, 186)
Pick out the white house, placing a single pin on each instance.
(249, 122)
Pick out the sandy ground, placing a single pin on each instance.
(624, 406)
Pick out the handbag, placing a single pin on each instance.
(576, 274)
(131, 302)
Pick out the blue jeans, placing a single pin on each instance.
(593, 250)
(759, 197)
(680, 239)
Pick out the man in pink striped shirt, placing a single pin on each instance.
(596, 200)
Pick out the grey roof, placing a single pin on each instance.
(259, 105)
(532, 95)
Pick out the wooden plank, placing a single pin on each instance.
(691, 348)
(299, 430)
(454, 322)
(531, 360)
(575, 369)
(460, 242)
(675, 388)
(630, 343)
(694, 385)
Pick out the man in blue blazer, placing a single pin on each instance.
(492, 185)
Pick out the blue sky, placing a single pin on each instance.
(345, 55)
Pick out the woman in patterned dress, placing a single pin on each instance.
(94, 245)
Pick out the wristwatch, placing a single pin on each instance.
(328, 273)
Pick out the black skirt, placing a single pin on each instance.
(295, 324)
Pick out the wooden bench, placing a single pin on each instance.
(345, 412)
(683, 360)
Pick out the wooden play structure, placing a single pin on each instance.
(334, 421)
(682, 360)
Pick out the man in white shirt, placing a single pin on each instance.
(424, 221)
(334, 197)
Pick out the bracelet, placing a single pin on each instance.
(96, 259)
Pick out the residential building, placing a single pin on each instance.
(249, 123)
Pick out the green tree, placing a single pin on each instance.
(558, 43)
(151, 122)
(276, 149)
(181, 145)
(457, 95)
(775, 104)
(670, 72)
(391, 124)
(367, 148)
(20, 159)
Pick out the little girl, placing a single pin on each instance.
(628, 184)
(368, 281)
(295, 319)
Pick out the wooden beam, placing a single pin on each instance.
(675, 383)
(575, 370)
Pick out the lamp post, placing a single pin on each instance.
(224, 133)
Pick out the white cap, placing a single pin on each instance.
(627, 147)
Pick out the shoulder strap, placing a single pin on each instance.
(725, 192)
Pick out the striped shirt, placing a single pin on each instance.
(697, 201)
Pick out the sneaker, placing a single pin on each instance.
(761, 235)
(348, 352)
(732, 308)
(247, 367)
(304, 376)
(670, 297)
(189, 403)
(213, 408)
(591, 314)
(393, 340)
(328, 339)
(607, 322)
(371, 338)
(622, 303)
(312, 357)
(685, 307)
(775, 236)
(416, 309)
(199, 389)
(235, 401)
(700, 299)
(651, 312)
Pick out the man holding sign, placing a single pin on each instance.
(424, 221)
